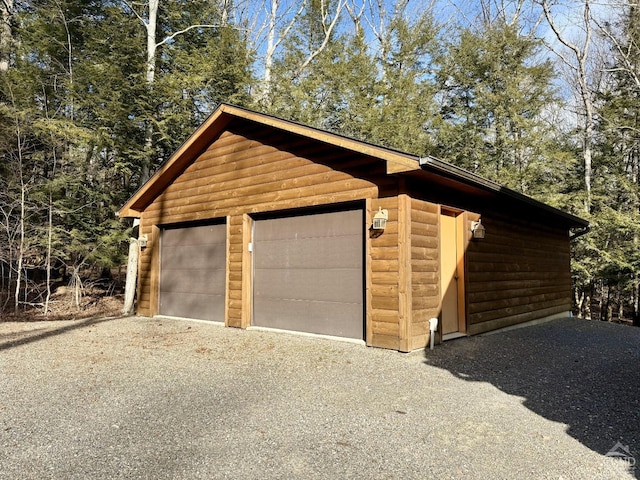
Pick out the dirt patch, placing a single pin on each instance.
(63, 306)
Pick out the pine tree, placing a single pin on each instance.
(381, 94)
(494, 95)
(616, 183)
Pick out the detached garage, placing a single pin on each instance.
(258, 221)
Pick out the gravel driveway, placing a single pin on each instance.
(166, 399)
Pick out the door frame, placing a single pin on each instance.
(461, 243)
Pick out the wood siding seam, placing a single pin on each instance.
(404, 271)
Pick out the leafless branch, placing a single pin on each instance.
(185, 30)
(328, 29)
(622, 55)
(133, 10)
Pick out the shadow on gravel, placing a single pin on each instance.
(585, 374)
(24, 338)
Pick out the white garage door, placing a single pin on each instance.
(192, 272)
(308, 273)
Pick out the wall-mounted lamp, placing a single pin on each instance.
(142, 241)
(477, 229)
(379, 222)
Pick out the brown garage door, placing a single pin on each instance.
(192, 272)
(308, 273)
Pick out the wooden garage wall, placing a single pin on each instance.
(425, 266)
(384, 290)
(235, 229)
(404, 290)
(517, 273)
(240, 174)
(148, 265)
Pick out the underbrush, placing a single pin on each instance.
(95, 299)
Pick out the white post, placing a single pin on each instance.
(132, 276)
(433, 326)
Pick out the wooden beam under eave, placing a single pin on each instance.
(128, 213)
(395, 166)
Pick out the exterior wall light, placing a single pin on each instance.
(477, 229)
(379, 222)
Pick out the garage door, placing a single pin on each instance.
(308, 273)
(192, 272)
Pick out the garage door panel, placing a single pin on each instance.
(336, 251)
(193, 272)
(323, 318)
(200, 257)
(194, 281)
(308, 273)
(197, 235)
(309, 226)
(311, 284)
(191, 305)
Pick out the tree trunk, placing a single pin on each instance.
(6, 36)
(587, 148)
(581, 69)
(48, 259)
(150, 76)
(20, 249)
(270, 52)
(132, 276)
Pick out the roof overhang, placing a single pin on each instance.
(461, 175)
(397, 162)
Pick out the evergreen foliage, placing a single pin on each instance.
(82, 126)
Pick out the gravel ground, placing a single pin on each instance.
(166, 399)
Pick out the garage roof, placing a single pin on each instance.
(397, 162)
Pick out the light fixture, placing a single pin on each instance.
(379, 222)
(477, 229)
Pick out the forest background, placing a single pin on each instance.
(542, 96)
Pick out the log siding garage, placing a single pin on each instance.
(258, 221)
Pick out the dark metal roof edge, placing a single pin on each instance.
(432, 163)
(440, 167)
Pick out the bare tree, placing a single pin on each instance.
(150, 24)
(576, 57)
(6, 37)
(20, 148)
(279, 24)
(626, 51)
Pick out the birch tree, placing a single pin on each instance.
(6, 36)
(617, 179)
(148, 17)
(576, 56)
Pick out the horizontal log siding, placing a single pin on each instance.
(234, 271)
(517, 273)
(424, 270)
(231, 182)
(149, 270)
(248, 171)
(385, 293)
